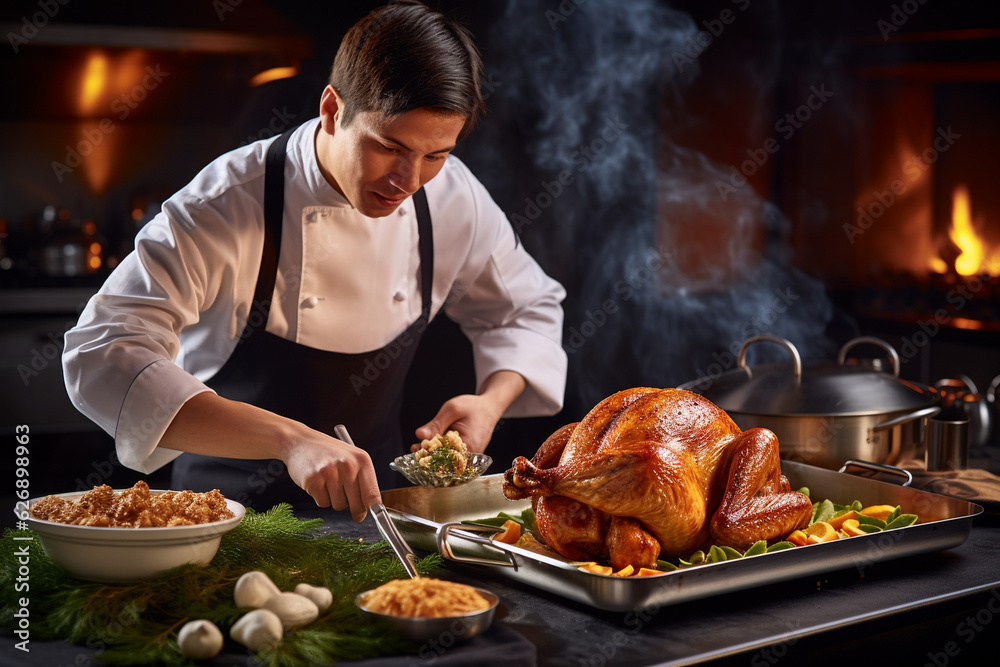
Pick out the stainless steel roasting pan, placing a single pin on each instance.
(429, 519)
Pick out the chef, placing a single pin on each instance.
(285, 289)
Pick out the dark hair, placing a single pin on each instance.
(406, 56)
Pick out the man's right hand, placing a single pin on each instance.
(335, 473)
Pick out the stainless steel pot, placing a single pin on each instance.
(826, 414)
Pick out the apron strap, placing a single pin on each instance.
(426, 239)
(274, 206)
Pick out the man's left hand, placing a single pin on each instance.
(475, 416)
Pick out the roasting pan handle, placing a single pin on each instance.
(466, 531)
(879, 467)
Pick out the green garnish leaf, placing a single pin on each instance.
(715, 555)
(731, 553)
(865, 520)
(901, 521)
(892, 515)
(823, 511)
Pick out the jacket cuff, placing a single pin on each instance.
(152, 401)
(540, 361)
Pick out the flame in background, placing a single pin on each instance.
(973, 254)
(107, 90)
(964, 235)
(94, 82)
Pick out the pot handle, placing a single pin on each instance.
(991, 393)
(879, 467)
(890, 350)
(908, 417)
(741, 361)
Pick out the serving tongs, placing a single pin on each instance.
(384, 522)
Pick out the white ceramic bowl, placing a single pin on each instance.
(122, 555)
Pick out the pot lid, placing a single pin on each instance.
(821, 390)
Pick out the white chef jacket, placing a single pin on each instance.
(171, 313)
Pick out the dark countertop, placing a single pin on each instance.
(938, 609)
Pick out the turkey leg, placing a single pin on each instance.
(757, 501)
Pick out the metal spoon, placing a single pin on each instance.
(384, 522)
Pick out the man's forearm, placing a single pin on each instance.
(502, 388)
(215, 426)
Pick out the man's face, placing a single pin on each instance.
(377, 162)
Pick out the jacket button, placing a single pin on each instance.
(309, 302)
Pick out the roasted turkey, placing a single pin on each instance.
(651, 473)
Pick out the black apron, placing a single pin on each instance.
(318, 388)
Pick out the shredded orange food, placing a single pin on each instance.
(430, 598)
(134, 508)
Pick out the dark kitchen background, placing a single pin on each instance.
(695, 173)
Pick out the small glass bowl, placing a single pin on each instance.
(421, 476)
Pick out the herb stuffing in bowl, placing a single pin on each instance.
(443, 460)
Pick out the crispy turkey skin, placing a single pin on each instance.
(651, 473)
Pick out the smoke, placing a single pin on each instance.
(667, 272)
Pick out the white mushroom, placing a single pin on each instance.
(200, 639)
(320, 595)
(253, 589)
(257, 629)
(294, 610)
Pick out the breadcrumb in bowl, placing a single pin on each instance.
(397, 603)
(443, 460)
(125, 554)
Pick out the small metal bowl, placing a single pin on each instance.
(417, 474)
(441, 629)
